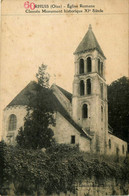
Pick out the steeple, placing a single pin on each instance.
(89, 101)
(89, 43)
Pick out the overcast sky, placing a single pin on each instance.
(30, 40)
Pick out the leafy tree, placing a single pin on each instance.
(118, 103)
(36, 132)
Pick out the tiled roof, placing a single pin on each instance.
(89, 42)
(23, 97)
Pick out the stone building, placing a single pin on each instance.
(81, 117)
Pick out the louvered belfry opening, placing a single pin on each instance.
(81, 66)
(82, 87)
(89, 66)
(88, 86)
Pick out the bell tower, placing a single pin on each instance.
(89, 102)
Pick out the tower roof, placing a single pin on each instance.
(89, 42)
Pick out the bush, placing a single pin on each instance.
(56, 170)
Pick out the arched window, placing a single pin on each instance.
(12, 122)
(89, 64)
(101, 113)
(81, 87)
(123, 149)
(101, 90)
(109, 142)
(99, 66)
(88, 86)
(81, 66)
(84, 111)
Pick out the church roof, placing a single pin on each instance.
(89, 42)
(66, 93)
(22, 99)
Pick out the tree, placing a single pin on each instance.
(36, 132)
(118, 103)
(42, 76)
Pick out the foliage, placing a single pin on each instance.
(2, 147)
(118, 103)
(43, 77)
(36, 171)
(36, 132)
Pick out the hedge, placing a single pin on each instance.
(55, 170)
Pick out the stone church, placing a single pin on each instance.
(81, 117)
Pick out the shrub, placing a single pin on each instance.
(56, 170)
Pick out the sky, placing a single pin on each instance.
(28, 40)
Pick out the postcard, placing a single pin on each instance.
(83, 46)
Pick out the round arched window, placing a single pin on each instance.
(12, 122)
(84, 111)
(89, 66)
(82, 87)
(88, 86)
(81, 66)
(99, 66)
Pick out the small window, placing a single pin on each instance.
(101, 90)
(85, 111)
(123, 149)
(88, 86)
(109, 144)
(89, 64)
(99, 66)
(81, 87)
(72, 139)
(101, 113)
(12, 122)
(81, 66)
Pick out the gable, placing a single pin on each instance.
(64, 97)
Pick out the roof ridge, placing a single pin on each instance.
(62, 88)
(66, 93)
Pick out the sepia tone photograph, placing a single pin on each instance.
(64, 106)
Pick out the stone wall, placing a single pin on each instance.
(116, 143)
(99, 187)
(64, 130)
(20, 112)
(91, 187)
